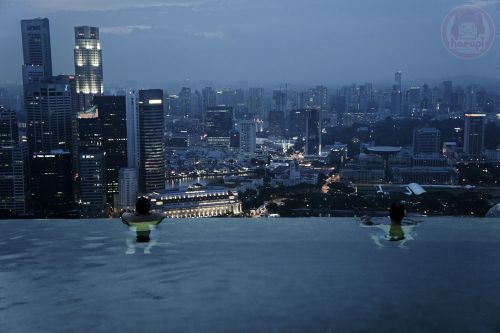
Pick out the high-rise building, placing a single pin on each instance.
(92, 182)
(474, 134)
(447, 92)
(276, 126)
(88, 65)
(321, 97)
(209, 98)
(13, 166)
(104, 126)
(256, 102)
(36, 48)
(49, 105)
(51, 183)
(297, 122)
(218, 125)
(426, 140)
(313, 132)
(279, 100)
(113, 121)
(151, 141)
(132, 110)
(185, 102)
(398, 80)
(128, 187)
(248, 136)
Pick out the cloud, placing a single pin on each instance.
(105, 5)
(211, 35)
(123, 30)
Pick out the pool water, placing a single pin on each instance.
(249, 275)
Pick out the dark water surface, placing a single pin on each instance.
(242, 275)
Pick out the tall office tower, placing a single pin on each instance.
(279, 100)
(276, 120)
(151, 141)
(51, 183)
(197, 105)
(49, 105)
(185, 102)
(297, 120)
(426, 140)
(104, 126)
(88, 65)
(132, 107)
(113, 123)
(447, 92)
(396, 101)
(92, 182)
(36, 49)
(398, 80)
(218, 125)
(13, 184)
(127, 188)
(313, 132)
(248, 137)
(474, 134)
(321, 97)
(209, 99)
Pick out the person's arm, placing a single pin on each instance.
(124, 218)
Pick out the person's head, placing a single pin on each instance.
(142, 206)
(397, 213)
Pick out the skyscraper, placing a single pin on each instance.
(36, 48)
(426, 140)
(313, 132)
(13, 185)
(218, 125)
(92, 182)
(88, 65)
(151, 141)
(474, 134)
(248, 136)
(104, 126)
(49, 105)
(185, 102)
(113, 120)
(51, 183)
(128, 187)
(256, 102)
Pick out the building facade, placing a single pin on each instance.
(88, 65)
(151, 141)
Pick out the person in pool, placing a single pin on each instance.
(396, 231)
(142, 222)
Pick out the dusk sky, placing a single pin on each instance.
(250, 41)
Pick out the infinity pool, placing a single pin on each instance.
(242, 275)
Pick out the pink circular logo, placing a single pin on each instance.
(468, 32)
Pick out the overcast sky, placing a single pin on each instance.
(254, 41)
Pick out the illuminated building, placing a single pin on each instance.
(197, 201)
(104, 126)
(474, 134)
(218, 125)
(88, 65)
(248, 136)
(51, 183)
(92, 182)
(13, 168)
(151, 141)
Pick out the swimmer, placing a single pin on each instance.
(142, 223)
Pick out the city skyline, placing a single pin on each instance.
(244, 45)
